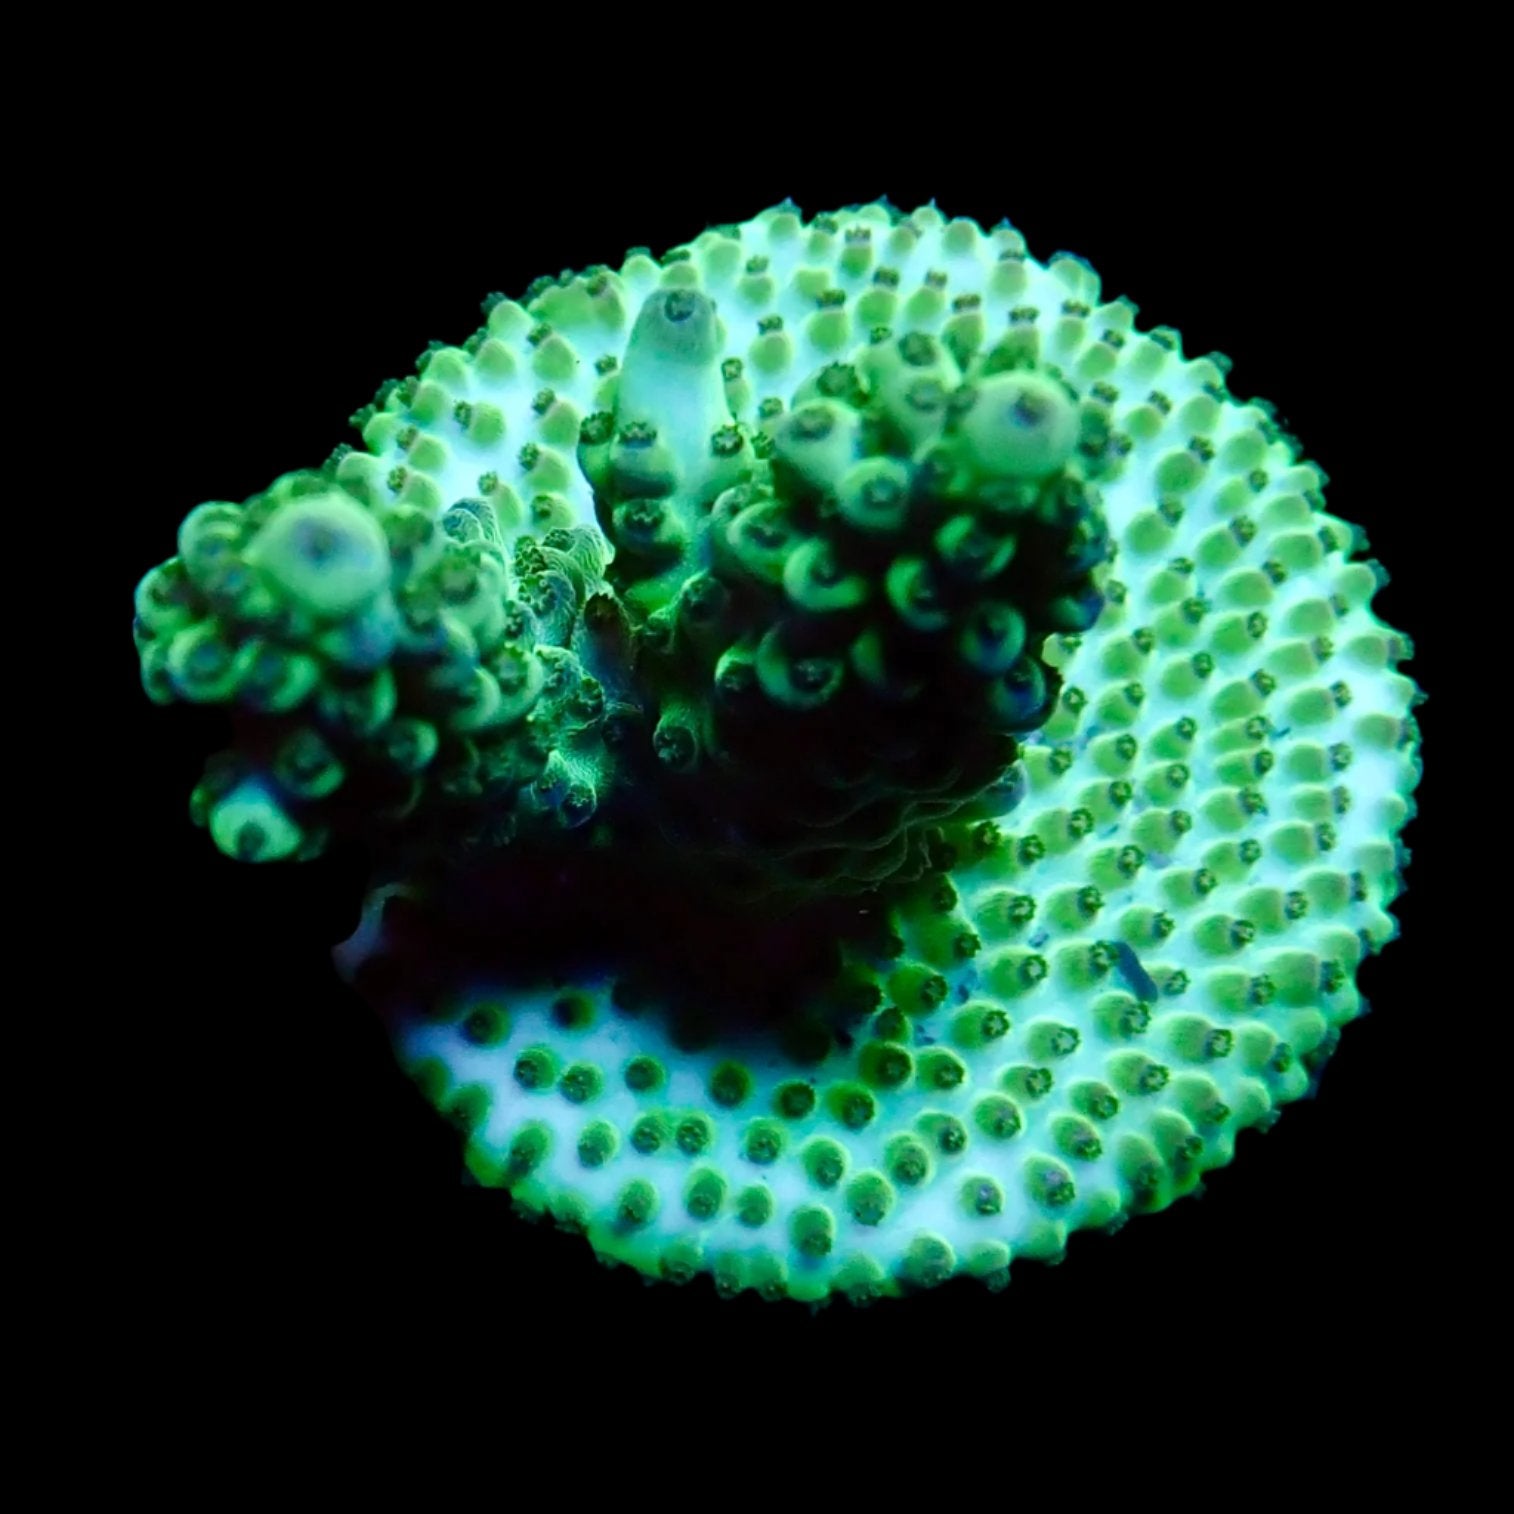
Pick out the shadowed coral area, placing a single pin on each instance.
(622, 917)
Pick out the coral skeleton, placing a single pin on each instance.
(872, 762)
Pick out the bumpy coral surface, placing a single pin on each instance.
(880, 762)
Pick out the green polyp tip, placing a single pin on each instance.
(569, 1213)
(989, 1262)
(249, 825)
(945, 1132)
(729, 1275)
(1049, 1183)
(763, 1142)
(794, 1100)
(982, 1197)
(208, 540)
(325, 553)
(676, 744)
(812, 1231)
(998, 1117)
(200, 665)
(754, 1207)
(874, 496)
(941, 1069)
(410, 744)
(644, 1074)
(759, 536)
(306, 767)
(861, 1280)
(527, 1151)
(597, 1143)
(645, 525)
(816, 443)
(992, 637)
(815, 580)
(869, 1198)
(978, 1025)
(852, 1105)
(928, 1262)
(914, 590)
(969, 551)
(1077, 1139)
(704, 1194)
(693, 1134)
(824, 1162)
(730, 1084)
(796, 682)
(635, 1205)
(485, 1025)
(535, 1068)
(770, 1277)
(651, 1133)
(679, 1262)
(1019, 425)
(907, 1161)
(679, 325)
(580, 1083)
(886, 1064)
(1018, 699)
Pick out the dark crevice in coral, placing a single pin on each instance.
(636, 921)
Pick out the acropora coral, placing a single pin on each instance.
(872, 761)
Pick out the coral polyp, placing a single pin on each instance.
(872, 761)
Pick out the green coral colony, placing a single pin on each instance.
(860, 563)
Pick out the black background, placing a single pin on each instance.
(275, 1166)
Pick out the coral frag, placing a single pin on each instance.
(956, 720)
